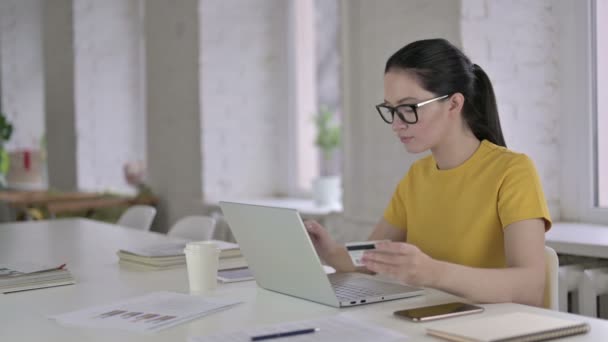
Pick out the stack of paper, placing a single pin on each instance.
(171, 255)
(148, 313)
(25, 276)
(337, 328)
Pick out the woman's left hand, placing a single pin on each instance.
(403, 262)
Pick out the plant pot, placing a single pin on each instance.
(327, 191)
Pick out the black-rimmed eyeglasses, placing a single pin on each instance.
(408, 113)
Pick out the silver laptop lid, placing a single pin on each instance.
(279, 251)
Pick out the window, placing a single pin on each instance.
(314, 84)
(600, 57)
(584, 86)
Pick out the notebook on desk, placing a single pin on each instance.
(26, 276)
(512, 327)
(171, 255)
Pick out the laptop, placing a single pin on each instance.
(282, 258)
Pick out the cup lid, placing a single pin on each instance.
(198, 245)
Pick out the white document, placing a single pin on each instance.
(337, 328)
(149, 313)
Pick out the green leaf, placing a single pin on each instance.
(5, 162)
(328, 132)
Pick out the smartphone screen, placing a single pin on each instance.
(428, 313)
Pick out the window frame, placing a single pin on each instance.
(579, 117)
(302, 157)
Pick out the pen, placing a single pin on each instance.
(284, 334)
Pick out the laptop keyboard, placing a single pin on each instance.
(351, 289)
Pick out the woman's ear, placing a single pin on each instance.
(455, 104)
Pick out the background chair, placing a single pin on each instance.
(138, 217)
(197, 228)
(551, 293)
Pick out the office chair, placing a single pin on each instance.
(138, 217)
(196, 228)
(551, 286)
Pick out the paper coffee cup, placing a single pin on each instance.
(202, 258)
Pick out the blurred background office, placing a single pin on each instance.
(217, 99)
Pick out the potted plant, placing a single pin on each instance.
(6, 130)
(326, 188)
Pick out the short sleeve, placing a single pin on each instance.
(521, 196)
(395, 213)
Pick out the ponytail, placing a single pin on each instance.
(482, 113)
(444, 70)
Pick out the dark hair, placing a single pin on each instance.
(443, 69)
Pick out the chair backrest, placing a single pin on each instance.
(551, 282)
(196, 228)
(138, 217)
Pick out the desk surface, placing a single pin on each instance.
(89, 249)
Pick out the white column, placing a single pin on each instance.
(173, 105)
(60, 118)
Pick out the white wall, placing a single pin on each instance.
(21, 70)
(329, 61)
(110, 118)
(243, 70)
(94, 86)
(244, 97)
(374, 160)
(517, 43)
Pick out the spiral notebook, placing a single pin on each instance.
(512, 327)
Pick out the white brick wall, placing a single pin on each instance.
(244, 96)
(244, 93)
(110, 120)
(21, 70)
(374, 160)
(516, 42)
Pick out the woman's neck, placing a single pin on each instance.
(452, 153)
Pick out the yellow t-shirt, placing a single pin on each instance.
(458, 215)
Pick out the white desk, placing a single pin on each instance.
(89, 249)
(579, 239)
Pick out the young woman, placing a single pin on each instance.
(470, 218)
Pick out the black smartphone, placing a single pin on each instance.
(428, 313)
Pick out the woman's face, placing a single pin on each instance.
(401, 87)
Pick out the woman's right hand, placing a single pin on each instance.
(323, 242)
